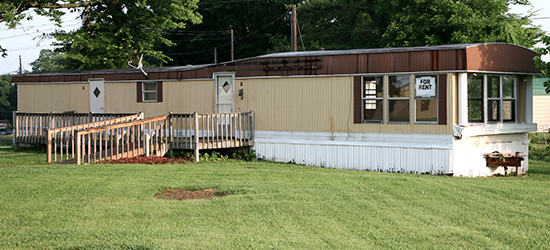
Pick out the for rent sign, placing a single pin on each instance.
(425, 86)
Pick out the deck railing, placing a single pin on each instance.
(31, 128)
(212, 131)
(62, 140)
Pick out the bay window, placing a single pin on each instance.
(491, 98)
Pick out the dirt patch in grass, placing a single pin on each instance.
(181, 194)
(149, 160)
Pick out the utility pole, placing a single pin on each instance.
(294, 30)
(232, 48)
(215, 55)
(20, 66)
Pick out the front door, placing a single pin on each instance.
(224, 94)
(97, 96)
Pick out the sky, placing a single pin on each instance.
(24, 41)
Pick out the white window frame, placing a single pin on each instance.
(389, 98)
(374, 98)
(144, 91)
(436, 98)
(500, 99)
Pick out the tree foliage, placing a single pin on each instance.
(8, 97)
(255, 24)
(113, 31)
(12, 12)
(543, 66)
(346, 24)
(49, 60)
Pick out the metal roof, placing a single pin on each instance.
(378, 50)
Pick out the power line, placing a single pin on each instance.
(36, 26)
(27, 34)
(232, 1)
(269, 24)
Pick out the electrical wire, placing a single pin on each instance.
(269, 24)
(27, 34)
(231, 1)
(300, 32)
(36, 26)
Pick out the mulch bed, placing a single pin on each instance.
(181, 194)
(149, 160)
(171, 194)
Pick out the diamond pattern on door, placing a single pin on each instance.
(97, 92)
(226, 87)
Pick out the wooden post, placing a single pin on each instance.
(14, 128)
(78, 149)
(196, 119)
(252, 124)
(147, 145)
(171, 128)
(49, 147)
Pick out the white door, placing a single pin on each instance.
(97, 95)
(224, 94)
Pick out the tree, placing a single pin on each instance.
(346, 24)
(8, 97)
(113, 31)
(543, 66)
(49, 60)
(12, 12)
(254, 23)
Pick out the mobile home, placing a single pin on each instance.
(434, 109)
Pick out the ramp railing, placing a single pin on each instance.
(133, 136)
(62, 140)
(147, 136)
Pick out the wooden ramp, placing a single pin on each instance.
(86, 144)
(118, 153)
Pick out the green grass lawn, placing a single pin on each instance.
(6, 140)
(268, 206)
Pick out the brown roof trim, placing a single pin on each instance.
(443, 58)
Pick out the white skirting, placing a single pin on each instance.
(400, 153)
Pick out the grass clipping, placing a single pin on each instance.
(181, 194)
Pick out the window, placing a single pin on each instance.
(372, 99)
(491, 98)
(508, 99)
(398, 98)
(388, 99)
(475, 98)
(149, 91)
(426, 101)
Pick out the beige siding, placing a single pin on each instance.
(323, 104)
(54, 97)
(178, 97)
(189, 96)
(541, 112)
